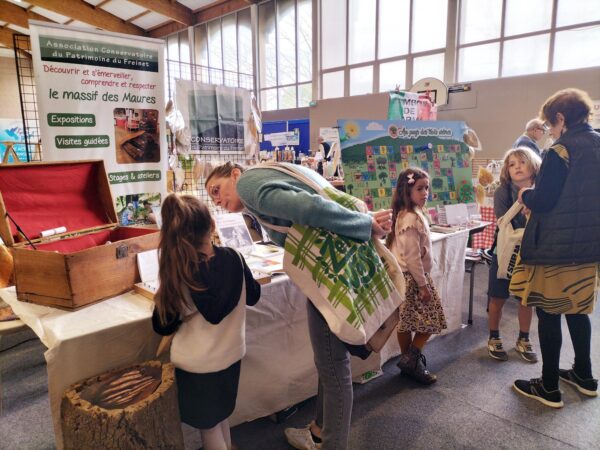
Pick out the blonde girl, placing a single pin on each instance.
(421, 315)
(519, 170)
(202, 298)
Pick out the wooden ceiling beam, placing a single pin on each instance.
(213, 11)
(176, 11)
(220, 9)
(164, 30)
(13, 14)
(6, 36)
(84, 12)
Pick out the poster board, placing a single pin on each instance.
(101, 96)
(283, 138)
(12, 136)
(374, 152)
(595, 116)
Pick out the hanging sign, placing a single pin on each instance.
(217, 116)
(284, 138)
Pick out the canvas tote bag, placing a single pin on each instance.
(356, 286)
(508, 242)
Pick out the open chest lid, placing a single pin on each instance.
(44, 196)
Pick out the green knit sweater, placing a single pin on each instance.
(280, 199)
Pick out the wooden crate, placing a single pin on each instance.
(93, 259)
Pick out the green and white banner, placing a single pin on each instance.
(101, 96)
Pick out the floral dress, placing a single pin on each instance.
(412, 248)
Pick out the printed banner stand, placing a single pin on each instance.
(101, 96)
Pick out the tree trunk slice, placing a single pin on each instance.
(129, 408)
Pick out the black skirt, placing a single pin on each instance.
(206, 399)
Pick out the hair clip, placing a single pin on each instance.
(410, 176)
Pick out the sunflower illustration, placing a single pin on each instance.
(352, 130)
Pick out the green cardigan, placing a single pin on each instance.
(282, 200)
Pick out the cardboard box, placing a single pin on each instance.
(92, 258)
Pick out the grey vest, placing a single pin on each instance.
(570, 232)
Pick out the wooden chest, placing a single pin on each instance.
(89, 257)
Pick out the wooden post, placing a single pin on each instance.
(128, 408)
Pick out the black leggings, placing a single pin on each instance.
(549, 330)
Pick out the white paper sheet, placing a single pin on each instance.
(148, 265)
(234, 233)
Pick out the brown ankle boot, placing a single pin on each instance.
(417, 367)
(406, 363)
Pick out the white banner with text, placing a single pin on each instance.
(101, 96)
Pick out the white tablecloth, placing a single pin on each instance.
(278, 369)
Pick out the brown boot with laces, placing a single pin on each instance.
(413, 365)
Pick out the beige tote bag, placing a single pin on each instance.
(509, 242)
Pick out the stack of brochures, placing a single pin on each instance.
(265, 258)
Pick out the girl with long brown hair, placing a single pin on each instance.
(421, 314)
(202, 298)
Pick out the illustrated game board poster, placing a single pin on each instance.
(375, 152)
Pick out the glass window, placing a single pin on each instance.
(267, 45)
(361, 80)
(215, 55)
(525, 55)
(404, 30)
(333, 33)
(230, 43)
(268, 99)
(361, 31)
(173, 47)
(215, 76)
(479, 20)
(245, 42)
(285, 50)
(428, 66)
(304, 41)
(571, 12)
(286, 42)
(201, 47)
(394, 22)
(575, 49)
(223, 51)
(184, 47)
(527, 16)
(333, 84)
(429, 20)
(287, 97)
(479, 62)
(392, 74)
(304, 94)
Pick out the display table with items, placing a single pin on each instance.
(278, 370)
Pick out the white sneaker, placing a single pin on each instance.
(300, 438)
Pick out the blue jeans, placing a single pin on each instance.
(334, 397)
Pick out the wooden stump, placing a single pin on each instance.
(132, 408)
